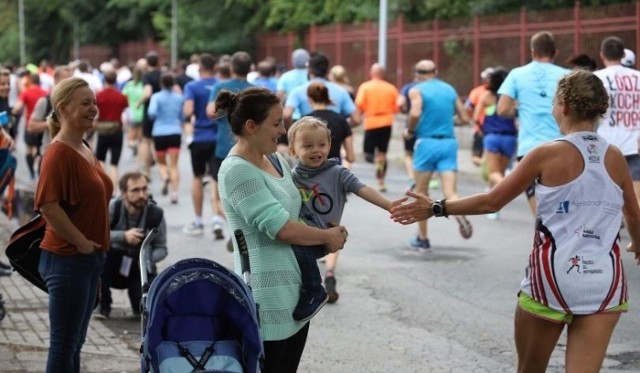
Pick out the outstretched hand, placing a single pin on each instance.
(405, 212)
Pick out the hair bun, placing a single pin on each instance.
(226, 101)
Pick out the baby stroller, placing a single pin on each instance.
(198, 316)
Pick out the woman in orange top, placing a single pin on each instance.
(72, 195)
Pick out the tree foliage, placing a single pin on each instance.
(291, 15)
(218, 26)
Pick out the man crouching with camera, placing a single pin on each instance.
(132, 216)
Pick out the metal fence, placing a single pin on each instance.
(461, 48)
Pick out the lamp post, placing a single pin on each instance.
(174, 33)
(23, 53)
(76, 39)
(382, 34)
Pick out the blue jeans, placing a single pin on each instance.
(72, 282)
(307, 257)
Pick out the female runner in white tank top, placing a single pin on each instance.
(574, 275)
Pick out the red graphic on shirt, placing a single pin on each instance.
(575, 262)
(624, 100)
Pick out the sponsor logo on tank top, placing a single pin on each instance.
(585, 232)
(582, 266)
(592, 149)
(606, 206)
(563, 207)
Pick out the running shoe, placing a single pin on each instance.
(411, 186)
(466, 230)
(493, 216)
(206, 180)
(165, 187)
(194, 229)
(382, 188)
(218, 231)
(419, 245)
(434, 184)
(103, 313)
(330, 286)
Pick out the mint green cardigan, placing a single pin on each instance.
(260, 204)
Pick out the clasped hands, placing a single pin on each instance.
(338, 238)
(407, 212)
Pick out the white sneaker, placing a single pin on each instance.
(194, 229)
(493, 216)
(218, 231)
(206, 180)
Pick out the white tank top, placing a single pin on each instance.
(575, 266)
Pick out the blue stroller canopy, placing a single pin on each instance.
(197, 303)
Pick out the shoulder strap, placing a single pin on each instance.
(49, 106)
(117, 206)
(154, 216)
(153, 219)
(275, 161)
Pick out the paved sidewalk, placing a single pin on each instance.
(24, 334)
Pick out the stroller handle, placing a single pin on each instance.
(245, 266)
(144, 249)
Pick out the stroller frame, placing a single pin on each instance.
(176, 299)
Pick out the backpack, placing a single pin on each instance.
(23, 250)
(8, 164)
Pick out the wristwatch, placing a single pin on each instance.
(439, 209)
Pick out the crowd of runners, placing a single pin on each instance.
(151, 110)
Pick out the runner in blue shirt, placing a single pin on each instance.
(202, 147)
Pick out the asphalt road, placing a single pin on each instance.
(450, 310)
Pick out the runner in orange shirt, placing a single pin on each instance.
(376, 99)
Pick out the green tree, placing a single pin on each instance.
(217, 26)
(213, 26)
(9, 38)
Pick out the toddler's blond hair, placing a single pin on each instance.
(307, 122)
